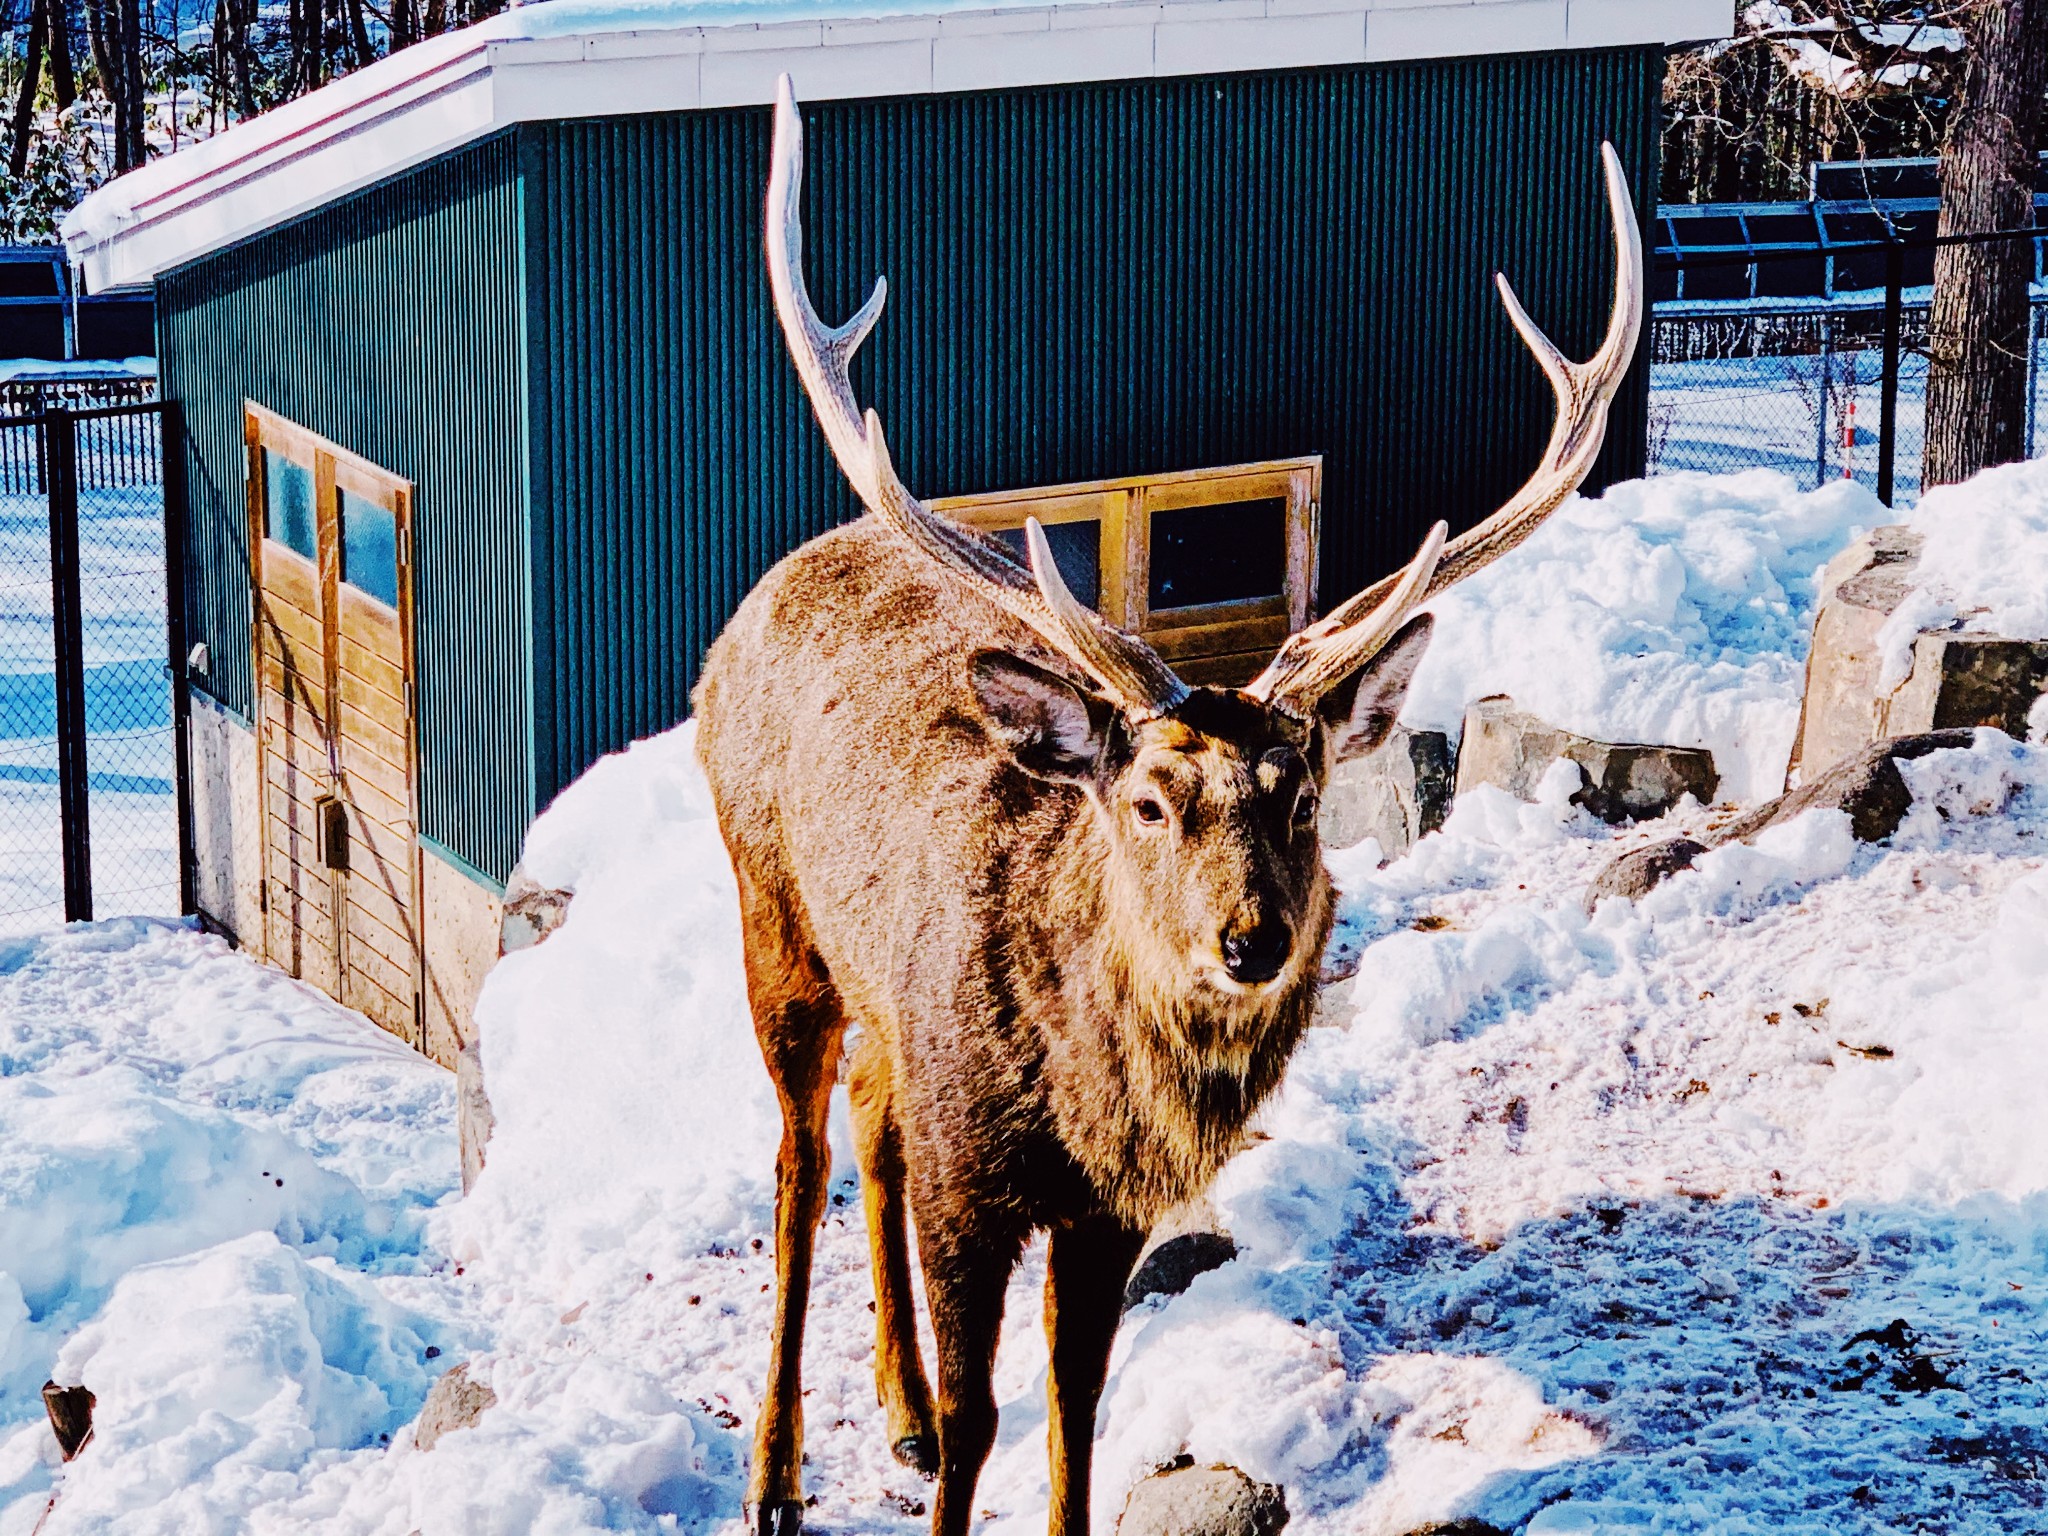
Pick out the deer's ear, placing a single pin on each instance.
(1360, 711)
(1051, 727)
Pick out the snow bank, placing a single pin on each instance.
(632, 1014)
(1676, 610)
(203, 1165)
(1983, 564)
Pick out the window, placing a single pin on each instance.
(369, 546)
(288, 504)
(323, 503)
(1214, 567)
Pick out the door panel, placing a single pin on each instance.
(334, 718)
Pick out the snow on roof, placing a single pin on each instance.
(589, 58)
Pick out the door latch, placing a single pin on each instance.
(333, 823)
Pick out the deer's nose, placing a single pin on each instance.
(1257, 954)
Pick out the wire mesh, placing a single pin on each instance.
(1799, 386)
(31, 869)
(130, 741)
(1814, 416)
(131, 789)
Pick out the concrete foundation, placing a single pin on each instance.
(226, 836)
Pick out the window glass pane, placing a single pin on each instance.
(288, 511)
(369, 548)
(1076, 550)
(1229, 552)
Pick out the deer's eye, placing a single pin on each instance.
(1304, 808)
(1150, 812)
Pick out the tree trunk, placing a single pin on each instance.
(358, 32)
(134, 78)
(62, 81)
(1978, 333)
(25, 104)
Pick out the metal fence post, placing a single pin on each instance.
(1888, 394)
(171, 467)
(67, 632)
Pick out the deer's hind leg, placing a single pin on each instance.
(800, 1023)
(899, 1372)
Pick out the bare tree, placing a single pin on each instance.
(1979, 330)
(31, 82)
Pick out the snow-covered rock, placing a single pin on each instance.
(1673, 611)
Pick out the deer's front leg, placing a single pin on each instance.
(1087, 1267)
(968, 1253)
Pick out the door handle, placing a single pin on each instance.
(333, 824)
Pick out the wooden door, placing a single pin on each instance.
(330, 541)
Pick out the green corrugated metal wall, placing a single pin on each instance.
(1084, 281)
(392, 324)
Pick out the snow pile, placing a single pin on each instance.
(1983, 565)
(210, 1182)
(1676, 610)
(633, 1013)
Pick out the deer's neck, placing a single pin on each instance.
(1153, 1075)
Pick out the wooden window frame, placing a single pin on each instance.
(1211, 642)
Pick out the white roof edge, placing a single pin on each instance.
(578, 58)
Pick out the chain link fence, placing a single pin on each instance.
(90, 803)
(1800, 385)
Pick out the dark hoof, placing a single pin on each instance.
(781, 1519)
(919, 1452)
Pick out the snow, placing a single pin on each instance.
(1723, 1211)
(1983, 565)
(1674, 610)
(38, 370)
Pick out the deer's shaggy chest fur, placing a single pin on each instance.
(967, 913)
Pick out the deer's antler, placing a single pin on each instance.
(1316, 659)
(1127, 670)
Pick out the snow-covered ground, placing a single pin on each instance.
(1724, 414)
(1726, 1212)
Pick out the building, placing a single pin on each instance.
(486, 406)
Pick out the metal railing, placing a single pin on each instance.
(94, 794)
(1836, 384)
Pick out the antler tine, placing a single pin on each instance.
(1316, 658)
(1127, 669)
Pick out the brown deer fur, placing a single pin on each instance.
(1044, 1032)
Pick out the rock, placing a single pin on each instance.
(70, 1411)
(1961, 680)
(1859, 591)
(1641, 870)
(532, 912)
(473, 1118)
(1398, 793)
(1621, 781)
(1867, 785)
(1171, 1267)
(1203, 1501)
(1958, 680)
(455, 1402)
(1458, 1528)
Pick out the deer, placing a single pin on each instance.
(1056, 915)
